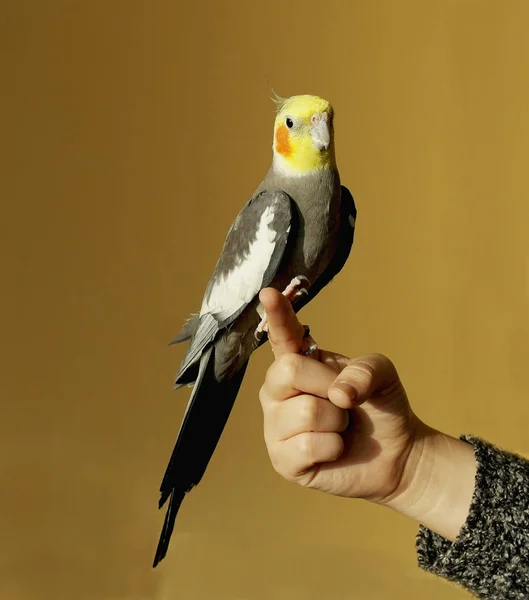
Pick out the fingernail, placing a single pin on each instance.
(347, 388)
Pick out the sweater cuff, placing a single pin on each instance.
(488, 555)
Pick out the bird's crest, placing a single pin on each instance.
(278, 100)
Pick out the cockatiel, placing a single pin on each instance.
(294, 234)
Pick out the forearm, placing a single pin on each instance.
(437, 483)
(472, 500)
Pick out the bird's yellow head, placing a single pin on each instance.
(303, 135)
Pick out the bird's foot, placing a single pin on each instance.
(293, 291)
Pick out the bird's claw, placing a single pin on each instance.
(311, 349)
(301, 292)
(294, 290)
(261, 328)
(301, 278)
(309, 346)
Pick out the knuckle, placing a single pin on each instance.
(361, 371)
(309, 412)
(288, 367)
(263, 396)
(307, 447)
(270, 430)
(285, 339)
(380, 369)
(337, 447)
(384, 362)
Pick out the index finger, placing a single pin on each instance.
(285, 332)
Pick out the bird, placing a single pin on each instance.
(294, 234)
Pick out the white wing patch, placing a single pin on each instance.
(243, 282)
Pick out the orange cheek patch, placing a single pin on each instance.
(283, 141)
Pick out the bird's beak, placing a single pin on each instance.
(320, 131)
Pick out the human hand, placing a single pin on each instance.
(339, 425)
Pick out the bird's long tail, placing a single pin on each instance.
(206, 415)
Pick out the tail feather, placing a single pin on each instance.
(168, 525)
(206, 415)
(188, 330)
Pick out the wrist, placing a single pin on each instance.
(437, 484)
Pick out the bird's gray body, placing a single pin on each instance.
(317, 197)
(316, 201)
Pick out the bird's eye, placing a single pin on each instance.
(289, 122)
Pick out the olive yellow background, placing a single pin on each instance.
(131, 134)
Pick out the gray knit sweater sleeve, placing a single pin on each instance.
(490, 558)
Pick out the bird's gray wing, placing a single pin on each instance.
(251, 255)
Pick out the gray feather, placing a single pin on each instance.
(205, 333)
(187, 332)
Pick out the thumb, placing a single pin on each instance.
(285, 332)
(364, 377)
